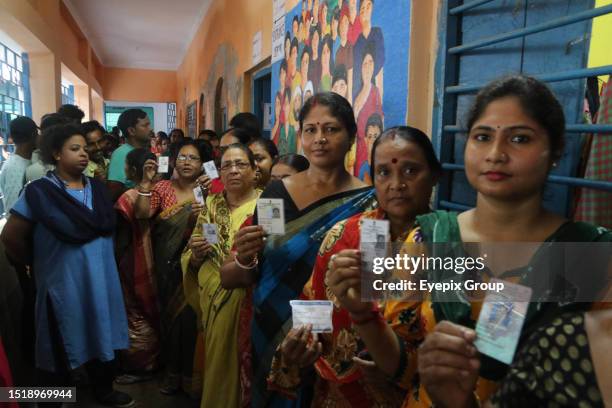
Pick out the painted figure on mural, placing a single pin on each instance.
(344, 54)
(338, 46)
(315, 60)
(275, 132)
(326, 65)
(373, 37)
(374, 127)
(367, 102)
(355, 22)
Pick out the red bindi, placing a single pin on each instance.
(394, 160)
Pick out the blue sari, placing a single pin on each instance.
(285, 267)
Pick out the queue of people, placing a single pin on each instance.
(138, 272)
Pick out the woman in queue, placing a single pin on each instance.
(80, 314)
(515, 137)
(288, 165)
(134, 254)
(404, 170)
(266, 154)
(172, 206)
(220, 310)
(314, 201)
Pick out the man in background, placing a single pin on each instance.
(135, 126)
(12, 176)
(98, 164)
(71, 112)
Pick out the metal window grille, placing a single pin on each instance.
(456, 51)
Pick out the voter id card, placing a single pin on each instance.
(318, 313)
(198, 193)
(211, 169)
(374, 238)
(211, 233)
(163, 162)
(501, 321)
(271, 215)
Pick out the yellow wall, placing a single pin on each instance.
(600, 52)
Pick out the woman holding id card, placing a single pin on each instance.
(173, 207)
(314, 201)
(220, 310)
(405, 170)
(515, 138)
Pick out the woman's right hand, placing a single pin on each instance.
(249, 241)
(344, 280)
(448, 365)
(301, 347)
(149, 170)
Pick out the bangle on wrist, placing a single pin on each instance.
(250, 266)
(144, 193)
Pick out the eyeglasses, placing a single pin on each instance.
(240, 165)
(184, 158)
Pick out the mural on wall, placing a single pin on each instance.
(224, 67)
(356, 48)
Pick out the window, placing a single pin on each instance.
(67, 93)
(12, 91)
(484, 39)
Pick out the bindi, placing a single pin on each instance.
(394, 160)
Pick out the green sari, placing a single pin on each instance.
(220, 310)
(170, 233)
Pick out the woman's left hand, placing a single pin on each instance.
(448, 365)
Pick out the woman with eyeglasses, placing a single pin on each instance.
(225, 330)
(314, 201)
(173, 207)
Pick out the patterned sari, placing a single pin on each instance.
(220, 310)
(340, 382)
(285, 267)
(412, 321)
(170, 233)
(135, 264)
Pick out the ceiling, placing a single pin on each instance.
(147, 34)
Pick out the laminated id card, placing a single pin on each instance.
(271, 215)
(211, 233)
(211, 169)
(163, 163)
(501, 321)
(318, 313)
(198, 193)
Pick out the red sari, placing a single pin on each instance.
(340, 382)
(136, 273)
